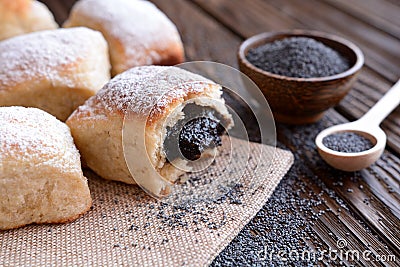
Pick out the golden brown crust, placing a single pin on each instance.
(172, 57)
(148, 92)
(19, 7)
(24, 16)
(66, 220)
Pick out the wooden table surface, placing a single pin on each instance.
(364, 207)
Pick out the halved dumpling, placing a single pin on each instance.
(156, 103)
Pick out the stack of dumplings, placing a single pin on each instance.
(47, 74)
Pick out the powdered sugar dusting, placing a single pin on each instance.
(30, 135)
(44, 55)
(146, 89)
(137, 25)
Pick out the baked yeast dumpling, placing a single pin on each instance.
(137, 32)
(41, 179)
(24, 16)
(53, 70)
(159, 98)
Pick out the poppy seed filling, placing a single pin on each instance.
(195, 135)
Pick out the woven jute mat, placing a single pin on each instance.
(125, 227)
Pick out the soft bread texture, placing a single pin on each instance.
(41, 179)
(146, 96)
(137, 32)
(24, 16)
(53, 70)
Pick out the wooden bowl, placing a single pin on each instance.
(302, 100)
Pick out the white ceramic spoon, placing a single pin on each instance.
(367, 126)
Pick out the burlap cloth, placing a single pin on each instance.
(127, 228)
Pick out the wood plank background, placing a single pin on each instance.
(363, 206)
